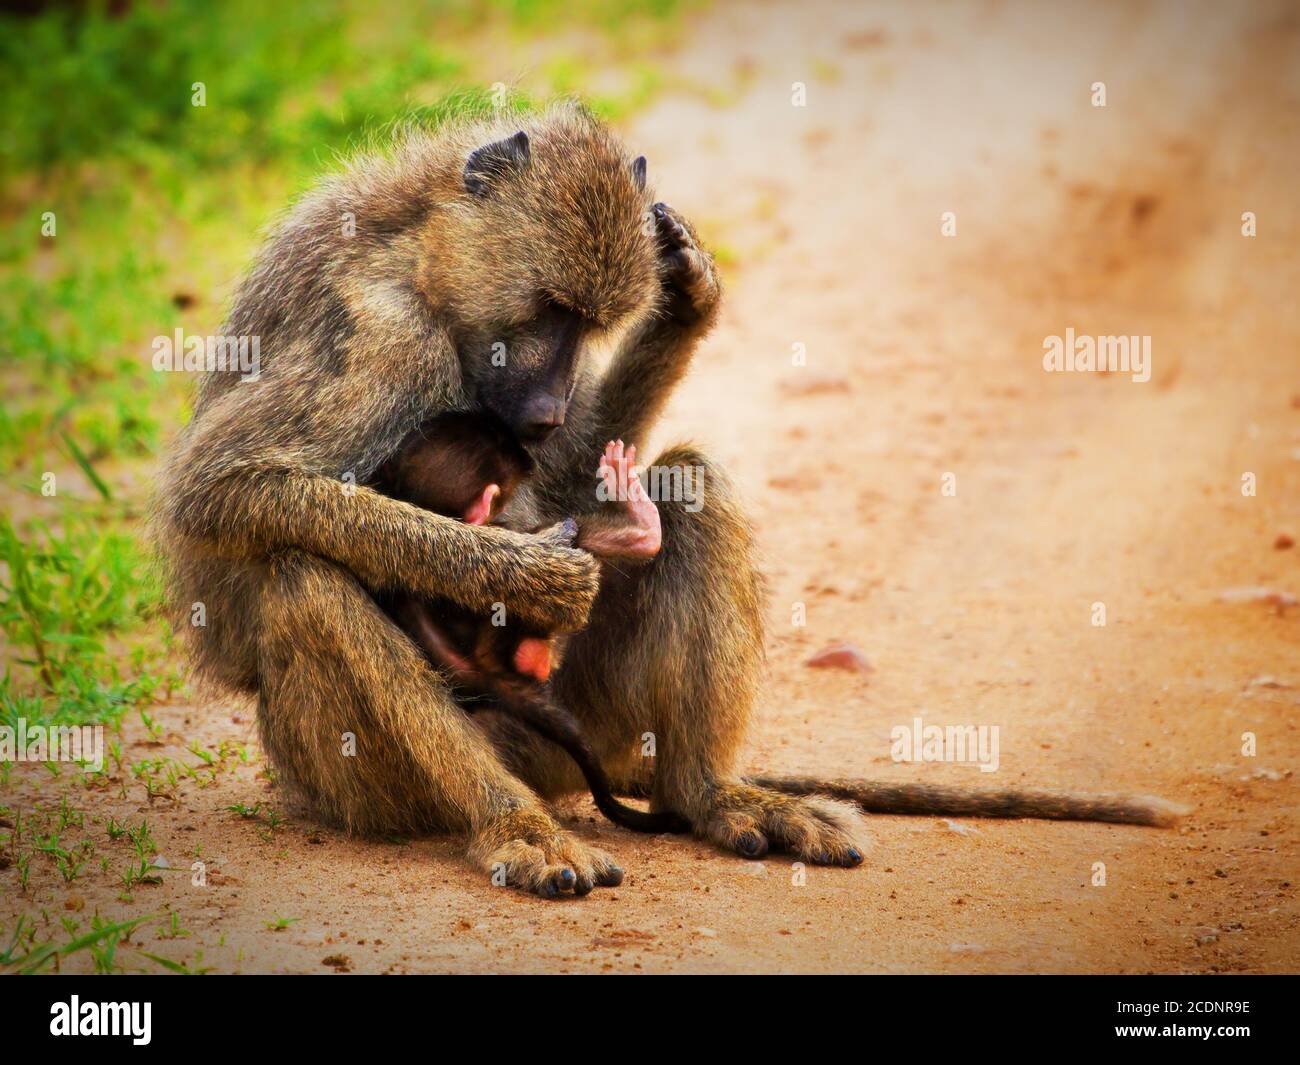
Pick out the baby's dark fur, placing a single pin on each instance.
(444, 467)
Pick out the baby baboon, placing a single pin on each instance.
(468, 465)
(475, 268)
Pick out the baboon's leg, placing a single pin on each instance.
(676, 651)
(336, 672)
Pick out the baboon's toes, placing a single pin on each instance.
(814, 835)
(750, 821)
(611, 876)
(738, 832)
(600, 869)
(848, 857)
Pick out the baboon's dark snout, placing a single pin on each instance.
(541, 416)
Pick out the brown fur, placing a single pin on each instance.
(264, 517)
(930, 799)
(445, 466)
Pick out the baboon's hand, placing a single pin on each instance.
(689, 277)
(526, 849)
(562, 581)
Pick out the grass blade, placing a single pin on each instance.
(81, 460)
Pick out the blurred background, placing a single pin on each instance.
(151, 208)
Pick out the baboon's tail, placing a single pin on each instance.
(940, 799)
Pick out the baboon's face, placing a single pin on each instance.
(552, 253)
(528, 373)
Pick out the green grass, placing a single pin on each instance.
(156, 206)
(66, 591)
(101, 942)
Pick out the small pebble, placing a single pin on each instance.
(840, 656)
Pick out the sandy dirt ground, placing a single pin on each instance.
(924, 358)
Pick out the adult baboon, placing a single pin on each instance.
(470, 268)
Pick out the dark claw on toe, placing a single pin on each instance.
(752, 845)
(855, 856)
(583, 887)
(568, 878)
(612, 877)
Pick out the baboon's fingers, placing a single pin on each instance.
(593, 867)
(610, 476)
(562, 533)
(553, 866)
(685, 264)
(672, 229)
(525, 866)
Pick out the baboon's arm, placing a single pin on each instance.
(264, 468)
(641, 379)
(644, 373)
(628, 399)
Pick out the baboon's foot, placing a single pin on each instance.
(641, 535)
(689, 276)
(750, 821)
(526, 849)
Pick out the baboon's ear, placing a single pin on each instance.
(638, 172)
(495, 161)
